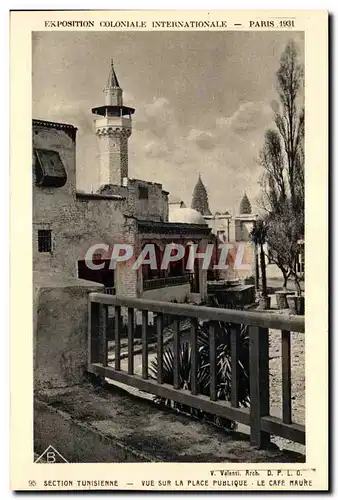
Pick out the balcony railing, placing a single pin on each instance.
(258, 417)
(164, 282)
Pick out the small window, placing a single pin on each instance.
(97, 258)
(45, 240)
(143, 192)
(49, 169)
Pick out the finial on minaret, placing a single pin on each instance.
(112, 78)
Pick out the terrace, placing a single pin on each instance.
(258, 417)
(113, 414)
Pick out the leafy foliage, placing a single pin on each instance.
(258, 232)
(282, 159)
(245, 205)
(258, 236)
(223, 360)
(283, 234)
(200, 200)
(223, 370)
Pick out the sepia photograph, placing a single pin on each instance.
(168, 247)
(169, 241)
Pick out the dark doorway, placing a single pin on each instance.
(104, 275)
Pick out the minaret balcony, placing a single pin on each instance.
(113, 125)
(108, 110)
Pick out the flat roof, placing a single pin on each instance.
(67, 127)
(98, 196)
(167, 227)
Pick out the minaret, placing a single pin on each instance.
(113, 129)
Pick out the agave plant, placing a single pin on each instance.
(184, 375)
(223, 370)
(168, 370)
(223, 361)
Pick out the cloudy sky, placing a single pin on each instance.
(202, 99)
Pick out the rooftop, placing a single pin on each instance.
(187, 216)
(69, 129)
(112, 78)
(98, 196)
(170, 227)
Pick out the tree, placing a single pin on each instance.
(273, 181)
(283, 232)
(290, 119)
(258, 236)
(282, 159)
(245, 205)
(200, 198)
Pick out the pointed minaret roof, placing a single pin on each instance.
(245, 206)
(113, 98)
(112, 79)
(200, 200)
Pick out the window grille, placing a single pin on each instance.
(45, 240)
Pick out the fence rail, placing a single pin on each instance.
(258, 417)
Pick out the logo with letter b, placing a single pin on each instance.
(51, 456)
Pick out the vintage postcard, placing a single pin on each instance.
(169, 180)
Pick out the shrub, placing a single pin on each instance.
(223, 370)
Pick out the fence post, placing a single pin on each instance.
(94, 346)
(259, 384)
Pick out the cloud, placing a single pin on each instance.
(157, 133)
(164, 150)
(159, 107)
(74, 112)
(225, 153)
(233, 132)
(154, 149)
(248, 117)
(155, 117)
(203, 139)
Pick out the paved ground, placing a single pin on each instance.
(277, 284)
(297, 378)
(297, 372)
(146, 432)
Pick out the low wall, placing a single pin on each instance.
(195, 298)
(60, 329)
(233, 296)
(76, 440)
(180, 293)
